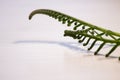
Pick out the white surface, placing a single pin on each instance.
(37, 50)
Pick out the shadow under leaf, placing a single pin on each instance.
(71, 45)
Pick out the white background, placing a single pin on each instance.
(37, 50)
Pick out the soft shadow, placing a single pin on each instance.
(110, 57)
(70, 45)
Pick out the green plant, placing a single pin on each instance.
(83, 30)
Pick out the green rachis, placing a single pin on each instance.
(83, 30)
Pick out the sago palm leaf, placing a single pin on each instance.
(83, 30)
